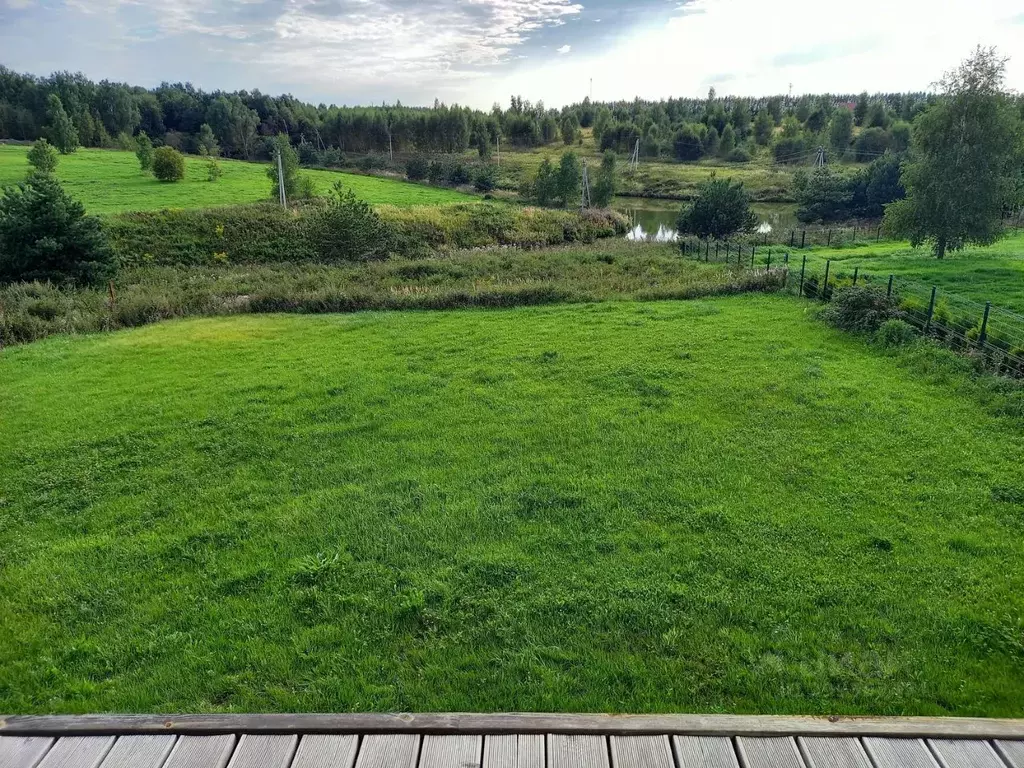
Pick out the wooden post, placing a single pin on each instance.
(803, 267)
(768, 264)
(824, 284)
(984, 325)
(753, 248)
(716, 250)
(878, 233)
(931, 310)
(829, 244)
(888, 291)
(855, 271)
(707, 248)
(803, 237)
(792, 234)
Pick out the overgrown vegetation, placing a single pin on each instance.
(721, 210)
(609, 271)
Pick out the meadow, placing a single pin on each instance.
(697, 506)
(109, 181)
(990, 273)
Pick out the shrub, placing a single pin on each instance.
(348, 229)
(871, 143)
(790, 149)
(43, 156)
(860, 309)
(738, 155)
(457, 174)
(213, 169)
(436, 173)
(895, 333)
(168, 164)
(417, 168)
(305, 187)
(486, 179)
(45, 235)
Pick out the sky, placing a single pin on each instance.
(479, 52)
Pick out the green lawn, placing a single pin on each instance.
(109, 181)
(994, 273)
(716, 505)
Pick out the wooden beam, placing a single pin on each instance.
(459, 723)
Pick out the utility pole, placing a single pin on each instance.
(280, 181)
(591, 89)
(497, 146)
(585, 202)
(819, 162)
(634, 159)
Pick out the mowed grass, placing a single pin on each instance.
(993, 273)
(109, 181)
(680, 506)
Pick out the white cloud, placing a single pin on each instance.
(752, 47)
(563, 49)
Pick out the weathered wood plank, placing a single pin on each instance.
(202, 751)
(1012, 752)
(264, 750)
(575, 751)
(24, 751)
(78, 752)
(769, 752)
(451, 751)
(641, 752)
(326, 750)
(696, 725)
(899, 753)
(958, 753)
(514, 751)
(393, 750)
(139, 751)
(833, 752)
(705, 752)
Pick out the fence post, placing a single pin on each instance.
(855, 271)
(792, 234)
(803, 266)
(707, 248)
(824, 284)
(931, 310)
(803, 237)
(878, 233)
(785, 259)
(829, 244)
(888, 291)
(984, 325)
(768, 265)
(753, 248)
(716, 250)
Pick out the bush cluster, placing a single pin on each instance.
(861, 309)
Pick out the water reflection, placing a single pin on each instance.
(655, 221)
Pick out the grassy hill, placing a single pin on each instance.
(683, 506)
(109, 181)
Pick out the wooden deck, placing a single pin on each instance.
(506, 741)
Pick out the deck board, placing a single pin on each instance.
(964, 753)
(641, 752)
(832, 752)
(451, 751)
(202, 751)
(139, 752)
(24, 751)
(326, 750)
(1012, 752)
(391, 750)
(899, 753)
(525, 750)
(768, 752)
(264, 750)
(78, 752)
(573, 751)
(705, 752)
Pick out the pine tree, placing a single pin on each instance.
(43, 157)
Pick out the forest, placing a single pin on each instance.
(733, 128)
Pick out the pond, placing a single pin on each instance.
(655, 220)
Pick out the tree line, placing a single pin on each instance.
(186, 118)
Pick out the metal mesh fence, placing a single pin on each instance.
(992, 335)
